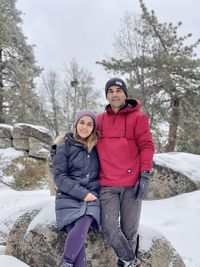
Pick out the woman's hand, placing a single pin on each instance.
(90, 197)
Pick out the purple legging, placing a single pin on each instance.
(74, 249)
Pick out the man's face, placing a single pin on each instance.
(116, 97)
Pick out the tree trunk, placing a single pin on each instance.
(1, 89)
(173, 125)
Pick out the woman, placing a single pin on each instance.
(75, 171)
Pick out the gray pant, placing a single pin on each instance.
(120, 215)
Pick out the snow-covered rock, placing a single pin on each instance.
(27, 137)
(174, 174)
(36, 240)
(24, 130)
(172, 217)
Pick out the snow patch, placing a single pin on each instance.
(6, 157)
(8, 179)
(6, 126)
(45, 216)
(150, 234)
(9, 261)
(10, 153)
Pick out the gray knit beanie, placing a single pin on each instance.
(82, 113)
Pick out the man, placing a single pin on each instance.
(125, 151)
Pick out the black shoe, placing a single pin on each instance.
(123, 263)
(120, 263)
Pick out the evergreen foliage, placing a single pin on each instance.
(17, 68)
(164, 73)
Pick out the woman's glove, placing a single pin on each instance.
(142, 186)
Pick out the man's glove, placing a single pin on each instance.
(142, 185)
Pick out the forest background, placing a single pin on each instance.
(160, 65)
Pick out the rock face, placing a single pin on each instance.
(30, 144)
(41, 245)
(27, 137)
(166, 182)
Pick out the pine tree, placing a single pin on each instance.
(17, 67)
(164, 74)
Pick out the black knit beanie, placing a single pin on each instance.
(116, 81)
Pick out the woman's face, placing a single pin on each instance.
(85, 127)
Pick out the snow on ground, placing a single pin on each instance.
(185, 163)
(177, 218)
(14, 203)
(9, 261)
(6, 157)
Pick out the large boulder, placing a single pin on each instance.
(23, 130)
(38, 148)
(35, 240)
(33, 139)
(174, 174)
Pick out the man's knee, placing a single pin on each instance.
(110, 227)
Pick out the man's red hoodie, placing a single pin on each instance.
(125, 146)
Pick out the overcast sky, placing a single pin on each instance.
(85, 29)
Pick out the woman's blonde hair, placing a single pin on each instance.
(90, 141)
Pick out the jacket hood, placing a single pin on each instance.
(59, 140)
(67, 137)
(131, 105)
(62, 138)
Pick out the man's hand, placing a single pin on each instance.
(142, 185)
(90, 197)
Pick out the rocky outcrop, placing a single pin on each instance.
(33, 139)
(37, 242)
(24, 150)
(169, 176)
(166, 182)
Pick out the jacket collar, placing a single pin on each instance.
(71, 141)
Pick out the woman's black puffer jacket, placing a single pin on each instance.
(75, 173)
